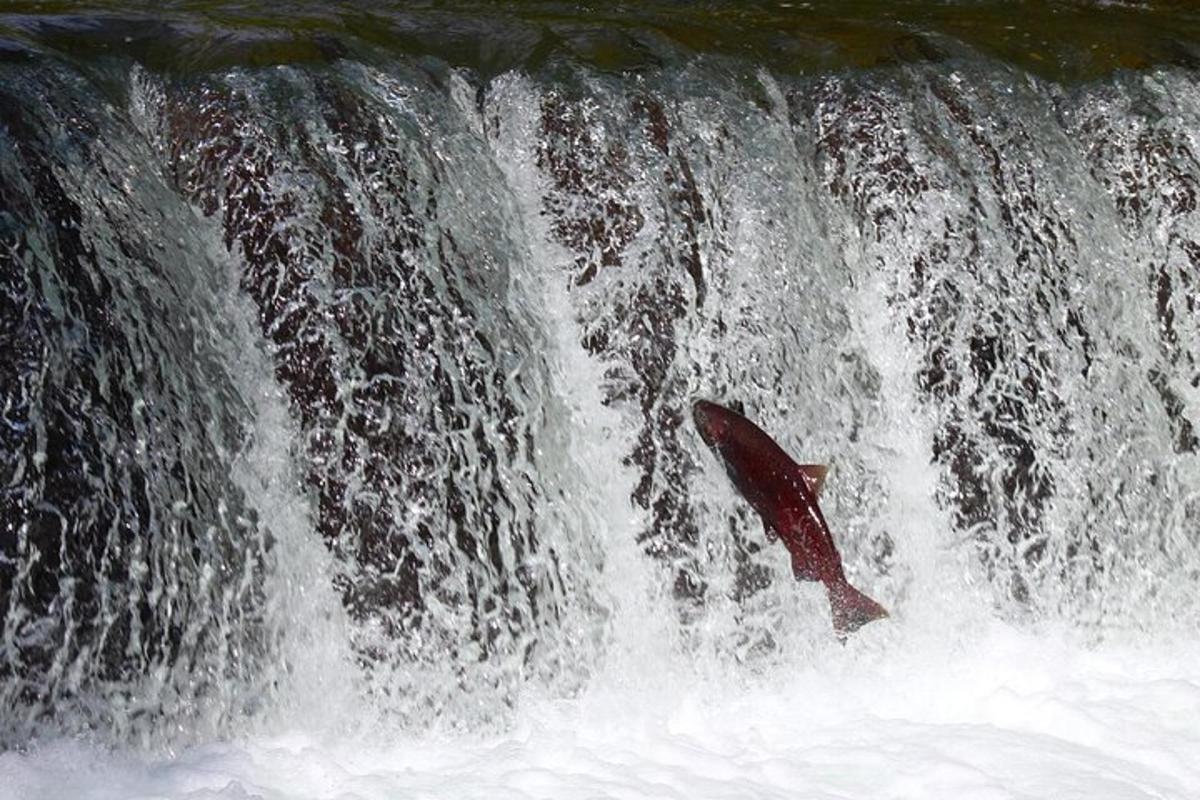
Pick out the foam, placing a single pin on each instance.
(1011, 714)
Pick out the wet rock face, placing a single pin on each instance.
(602, 166)
(995, 241)
(950, 262)
(981, 253)
(415, 441)
(413, 387)
(996, 399)
(1145, 167)
(111, 487)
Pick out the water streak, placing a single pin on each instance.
(371, 379)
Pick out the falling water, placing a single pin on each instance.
(350, 381)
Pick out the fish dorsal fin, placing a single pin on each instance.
(814, 477)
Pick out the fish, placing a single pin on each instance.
(784, 494)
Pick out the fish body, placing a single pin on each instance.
(784, 494)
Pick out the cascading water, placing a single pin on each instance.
(347, 387)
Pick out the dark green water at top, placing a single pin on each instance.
(1058, 40)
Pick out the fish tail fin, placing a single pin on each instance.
(852, 609)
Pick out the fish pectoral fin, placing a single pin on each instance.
(804, 566)
(804, 563)
(804, 571)
(814, 477)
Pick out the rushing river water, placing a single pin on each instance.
(346, 359)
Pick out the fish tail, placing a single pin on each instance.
(851, 608)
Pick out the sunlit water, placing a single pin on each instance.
(345, 447)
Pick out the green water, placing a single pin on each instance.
(1066, 41)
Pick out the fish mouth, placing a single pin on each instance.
(707, 417)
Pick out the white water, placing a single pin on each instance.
(1082, 685)
(999, 714)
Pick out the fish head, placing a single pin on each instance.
(750, 457)
(713, 422)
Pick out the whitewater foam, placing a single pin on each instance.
(1010, 714)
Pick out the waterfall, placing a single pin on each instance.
(328, 371)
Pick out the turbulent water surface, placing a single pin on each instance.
(346, 359)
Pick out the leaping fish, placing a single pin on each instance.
(784, 494)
